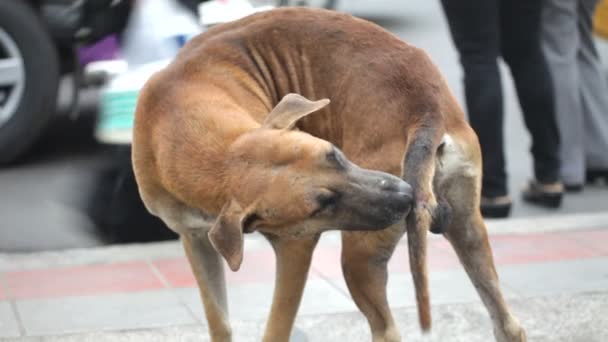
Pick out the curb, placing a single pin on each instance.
(256, 242)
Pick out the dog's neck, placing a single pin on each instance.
(209, 123)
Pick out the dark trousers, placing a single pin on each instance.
(484, 30)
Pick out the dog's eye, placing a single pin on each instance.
(326, 202)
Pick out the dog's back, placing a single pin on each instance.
(377, 83)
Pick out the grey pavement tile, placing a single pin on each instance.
(451, 286)
(555, 278)
(252, 301)
(107, 312)
(242, 332)
(8, 323)
(451, 322)
(560, 318)
(566, 318)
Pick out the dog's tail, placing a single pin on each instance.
(419, 171)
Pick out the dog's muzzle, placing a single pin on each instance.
(378, 199)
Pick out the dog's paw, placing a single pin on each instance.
(512, 332)
(390, 335)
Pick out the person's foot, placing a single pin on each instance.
(545, 195)
(594, 175)
(573, 188)
(495, 207)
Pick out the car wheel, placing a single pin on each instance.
(29, 78)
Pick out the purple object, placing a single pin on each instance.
(103, 50)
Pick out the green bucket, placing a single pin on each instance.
(118, 102)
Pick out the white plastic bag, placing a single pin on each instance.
(155, 31)
(222, 11)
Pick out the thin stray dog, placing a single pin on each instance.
(216, 155)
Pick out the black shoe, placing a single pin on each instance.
(544, 195)
(573, 188)
(594, 175)
(495, 207)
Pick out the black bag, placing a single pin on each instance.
(117, 209)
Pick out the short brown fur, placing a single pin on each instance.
(390, 111)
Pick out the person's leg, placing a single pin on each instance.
(521, 49)
(474, 29)
(560, 42)
(594, 92)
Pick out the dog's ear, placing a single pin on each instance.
(226, 235)
(290, 109)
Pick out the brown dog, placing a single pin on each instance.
(214, 157)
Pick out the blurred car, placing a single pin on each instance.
(38, 44)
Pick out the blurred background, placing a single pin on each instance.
(69, 75)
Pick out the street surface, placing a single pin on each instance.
(555, 280)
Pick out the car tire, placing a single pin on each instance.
(25, 122)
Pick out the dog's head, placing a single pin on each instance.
(288, 183)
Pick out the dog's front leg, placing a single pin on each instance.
(208, 268)
(293, 258)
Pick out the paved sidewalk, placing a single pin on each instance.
(554, 275)
(566, 318)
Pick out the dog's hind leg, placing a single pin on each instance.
(293, 258)
(467, 234)
(470, 241)
(208, 268)
(364, 264)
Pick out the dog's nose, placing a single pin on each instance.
(403, 196)
(397, 185)
(398, 189)
(405, 189)
(405, 192)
